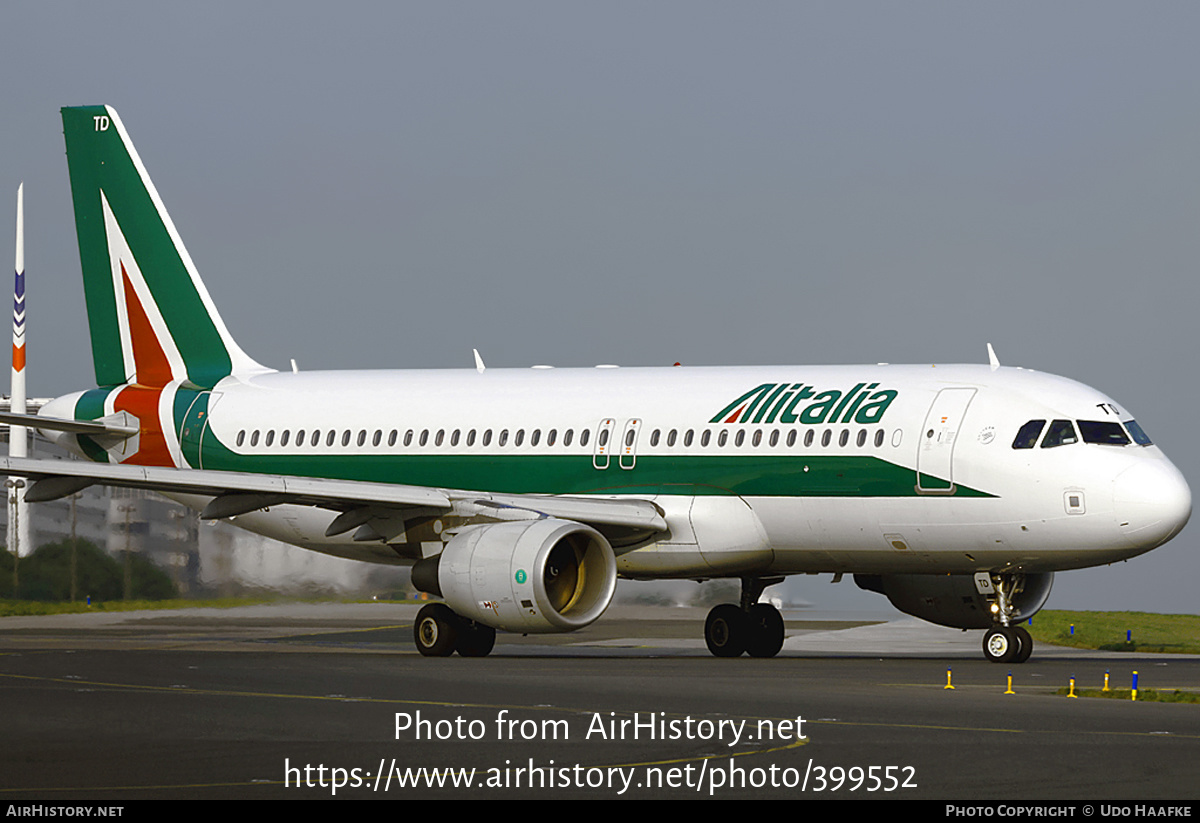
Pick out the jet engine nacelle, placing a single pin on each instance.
(535, 576)
(952, 600)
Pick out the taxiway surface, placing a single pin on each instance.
(249, 702)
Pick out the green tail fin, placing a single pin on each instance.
(152, 320)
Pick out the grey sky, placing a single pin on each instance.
(390, 184)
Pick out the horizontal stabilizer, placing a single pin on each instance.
(120, 425)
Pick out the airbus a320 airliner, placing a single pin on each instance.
(519, 496)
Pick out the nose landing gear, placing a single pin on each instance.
(1005, 643)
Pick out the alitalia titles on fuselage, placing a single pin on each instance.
(782, 402)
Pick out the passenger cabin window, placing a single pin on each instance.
(1028, 434)
(1106, 433)
(1060, 433)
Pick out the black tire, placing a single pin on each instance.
(475, 639)
(1000, 644)
(436, 630)
(725, 630)
(1026, 644)
(765, 636)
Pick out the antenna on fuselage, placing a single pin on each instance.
(993, 360)
(479, 367)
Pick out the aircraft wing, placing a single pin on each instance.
(236, 493)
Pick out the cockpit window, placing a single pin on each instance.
(1027, 437)
(1060, 433)
(1106, 433)
(1135, 431)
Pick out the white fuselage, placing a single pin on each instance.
(878, 469)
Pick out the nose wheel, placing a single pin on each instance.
(1007, 644)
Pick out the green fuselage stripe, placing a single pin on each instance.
(748, 475)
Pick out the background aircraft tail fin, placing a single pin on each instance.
(151, 318)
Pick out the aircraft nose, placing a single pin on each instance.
(1152, 502)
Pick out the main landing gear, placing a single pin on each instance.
(751, 627)
(1006, 643)
(439, 632)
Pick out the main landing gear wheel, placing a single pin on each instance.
(765, 637)
(475, 639)
(725, 630)
(729, 631)
(436, 630)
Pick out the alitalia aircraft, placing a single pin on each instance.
(519, 496)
